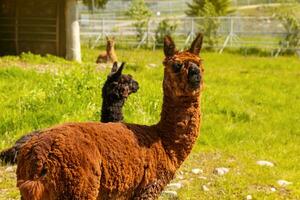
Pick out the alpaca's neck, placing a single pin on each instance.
(112, 110)
(179, 126)
(110, 50)
(111, 55)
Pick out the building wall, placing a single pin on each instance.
(32, 25)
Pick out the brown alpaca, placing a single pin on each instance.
(119, 161)
(110, 55)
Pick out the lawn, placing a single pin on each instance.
(266, 10)
(250, 106)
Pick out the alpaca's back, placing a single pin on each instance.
(106, 57)
(102, 58)
(77, 156)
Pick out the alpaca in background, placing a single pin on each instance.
(110, 55)
(119, 160)
(115, 91)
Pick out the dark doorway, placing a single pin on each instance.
(32, 25)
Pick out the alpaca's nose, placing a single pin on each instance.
(194, 76)
(135, 86)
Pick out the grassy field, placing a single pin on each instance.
(266, 10)
(250, 105)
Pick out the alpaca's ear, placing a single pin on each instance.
(169, 46)
(121, 68)
(107, 38)
(118, 73)
(197, 44)
(114, 67)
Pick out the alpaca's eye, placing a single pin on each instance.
(177, 67)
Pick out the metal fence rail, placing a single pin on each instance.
(234, 32)
(257, 2)
(118, 8)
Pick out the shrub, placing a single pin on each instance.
(210, 10)
(141, 13)
(95, 4)
(165, 27)
(291, 40)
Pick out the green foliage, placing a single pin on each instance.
(197, 7)
(209, 26)
(292, 27)
(141, 13)
(97, 3)
(165, 27)
(209, 9)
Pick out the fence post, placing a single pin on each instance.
(102, 27)
(73, 51)
(170, 7)
(191, 34)
(101, 35)
(93, 6)
(148, 32)
(231, 30)
(193, 27)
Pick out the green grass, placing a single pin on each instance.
(267, 10)
(250, 109)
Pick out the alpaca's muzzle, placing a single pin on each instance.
(134, 86)
(194, 76)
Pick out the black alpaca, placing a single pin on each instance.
(115, 91)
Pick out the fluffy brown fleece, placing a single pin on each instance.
(118, 160)
(110, 54)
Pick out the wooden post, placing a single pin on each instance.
(17, 28)
(73, 51)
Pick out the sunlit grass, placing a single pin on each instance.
(250, 109)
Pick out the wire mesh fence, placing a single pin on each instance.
(232, 32)
(258, 2)
(118, 8)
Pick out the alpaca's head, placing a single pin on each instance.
(110, 42)
(183, 70)
(119, 86)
